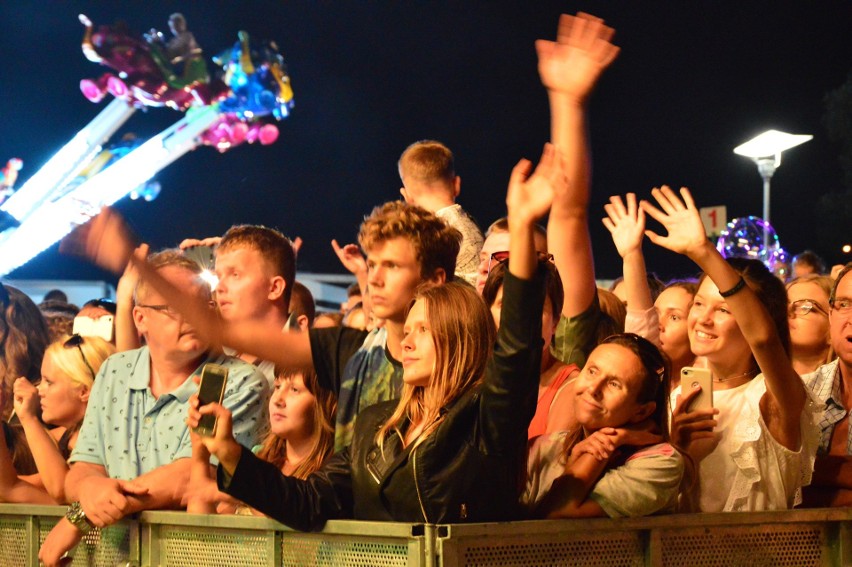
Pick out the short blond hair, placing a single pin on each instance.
(428, 161)
(68, 359)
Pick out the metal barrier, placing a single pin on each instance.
(795, 538)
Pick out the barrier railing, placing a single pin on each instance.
(795, 538)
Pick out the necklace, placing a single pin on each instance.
(734, 377)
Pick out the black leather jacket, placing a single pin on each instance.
(469, 469)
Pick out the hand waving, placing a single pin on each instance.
(626, 224)
(572, 64)
(680, 218)
(106, 241)
(530, 197)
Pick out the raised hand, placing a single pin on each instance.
(211, 241)
(222, 443)
(351, 257)
(106, 241)
(625, 224)
(681, 220)
(572, 64)
(530, 197)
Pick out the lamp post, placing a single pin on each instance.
(766, 150)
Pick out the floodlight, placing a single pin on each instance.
(766, 150)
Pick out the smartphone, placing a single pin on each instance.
(102, 327)
(211, 390)
(689, 378)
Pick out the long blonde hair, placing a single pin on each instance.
(463, 333)
(274, 448)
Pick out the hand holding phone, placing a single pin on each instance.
(210, 390)
(690, 377)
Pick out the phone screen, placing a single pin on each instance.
(211, 390)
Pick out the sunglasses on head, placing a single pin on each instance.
(76, 341)
(503, 256)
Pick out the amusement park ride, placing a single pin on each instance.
(149, 71)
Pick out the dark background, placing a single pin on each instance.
(694, 79)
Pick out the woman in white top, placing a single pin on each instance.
(755, 449)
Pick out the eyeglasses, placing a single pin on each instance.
(76, 341)
(842, 305)
(164, 309)
(502, 256)
(802, 307)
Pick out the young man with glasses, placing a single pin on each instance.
(133, 450)
(832, 384)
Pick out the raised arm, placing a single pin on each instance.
(511, 377)
(569, 69)
(107, 242)
(785, 397)
(126, 335)
(626, 224)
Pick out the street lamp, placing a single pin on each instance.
(766, 150)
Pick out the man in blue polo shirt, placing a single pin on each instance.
(133, 450)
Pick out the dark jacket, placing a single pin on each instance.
(469, 469)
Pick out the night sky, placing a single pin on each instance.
(693, 80)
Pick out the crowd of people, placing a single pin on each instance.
(460, 356)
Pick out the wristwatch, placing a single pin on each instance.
(77, 517)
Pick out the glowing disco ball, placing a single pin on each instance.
(750, 237)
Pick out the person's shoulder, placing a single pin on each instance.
(825, 373)
(658, 450)
(126, 356)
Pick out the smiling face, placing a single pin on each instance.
(672, 307)
(418, 347)
(291, 409)
(811, 331)
(606, 391)
(713, 330)
(63, 401)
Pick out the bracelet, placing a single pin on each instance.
(736, 289)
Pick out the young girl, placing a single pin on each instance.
(462, 417)
(612, 463)
(755, 449)
(68, 371)
(300, 439)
